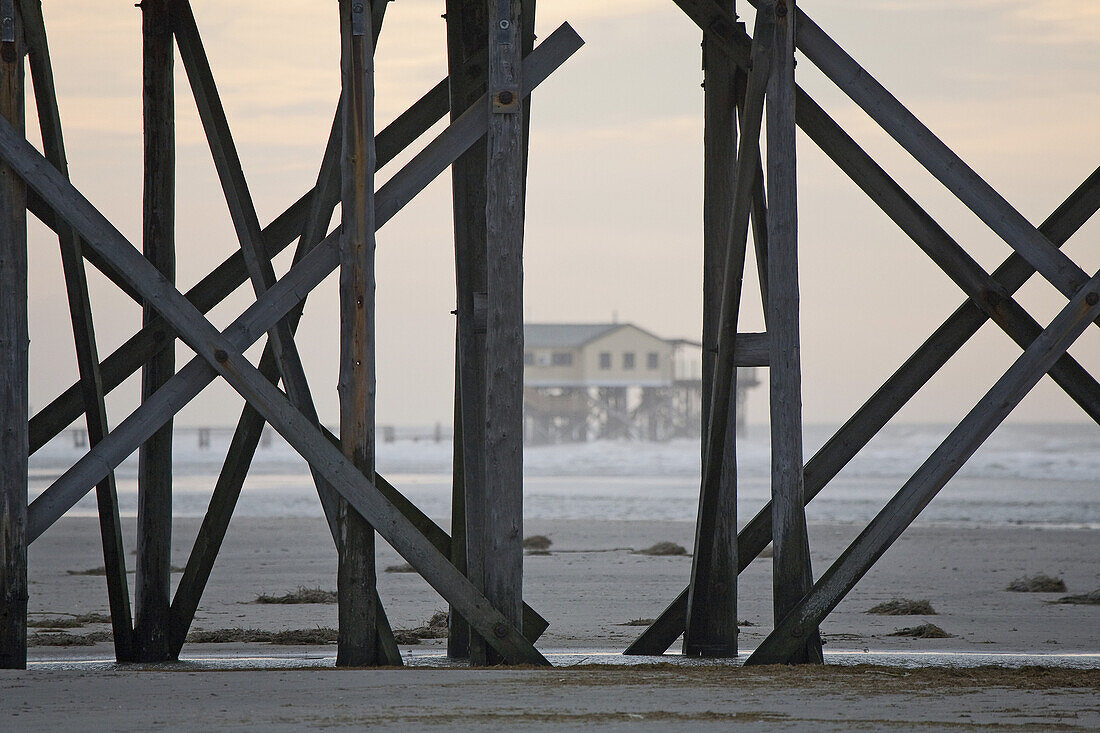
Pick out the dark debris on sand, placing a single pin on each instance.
(1085, 599)
(1040, 583)
(436, 628)
(302, 595)
(62, 638)
(924, 631)
(305, 637)
(663, 549)
(903, 607)
(537, 542)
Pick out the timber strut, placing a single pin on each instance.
(753, 112)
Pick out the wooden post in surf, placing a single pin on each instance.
(14, 368)
(153, 587)
(791, 560)
(503, 497)
(356, 579)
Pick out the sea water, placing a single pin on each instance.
(1044, 475)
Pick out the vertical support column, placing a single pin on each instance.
(152, 592)
(791, 578)
(466, 37)
(356, 575)
(14, 341)
(711, 628)
(504, 323)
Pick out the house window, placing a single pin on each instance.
(652, 360)
(528, 358)
(562, 358)
(628, 360)
(605, 360)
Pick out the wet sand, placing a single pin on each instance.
(591, 583)
(588, 587)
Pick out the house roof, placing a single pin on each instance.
(573, 335)
(564, 335)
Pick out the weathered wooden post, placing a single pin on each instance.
(152, 593)
(14, 340)
(503, 497)
(466, 40)
(356, 579)
(791, 560)
(711, 626)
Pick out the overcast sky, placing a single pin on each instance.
(614, 196)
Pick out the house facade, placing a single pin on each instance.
(612, 380)
(595, 355)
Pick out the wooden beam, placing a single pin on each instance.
(993, 298)
(14, 375)
(910, 133)
(712, 590)
(356, 575)
(229, 275)
(790, 632)
(76, 285)
(1070, 216)
(222, 353)
(467, 37)
(791, 562)
(937, 158)
(500, 531)
(52, 503)
(153, 586)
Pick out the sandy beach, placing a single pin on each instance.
(588, 587)
(591, 583)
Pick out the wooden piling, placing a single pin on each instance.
(14, 376)
(503, 496)
(711, 629)
(466, 41)
(152, 593)
(791, 560)
(356, 578)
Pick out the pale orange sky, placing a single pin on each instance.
(614, 193)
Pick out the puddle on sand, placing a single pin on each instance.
(568, 658)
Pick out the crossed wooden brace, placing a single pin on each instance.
(220, 353)
(990, 298)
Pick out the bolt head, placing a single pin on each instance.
(1092, 298)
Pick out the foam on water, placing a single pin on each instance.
(1025, 474)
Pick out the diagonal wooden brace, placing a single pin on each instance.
(225, 278)
(222, 350)
(1070, 216)
(910, 133)
(934, 473)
